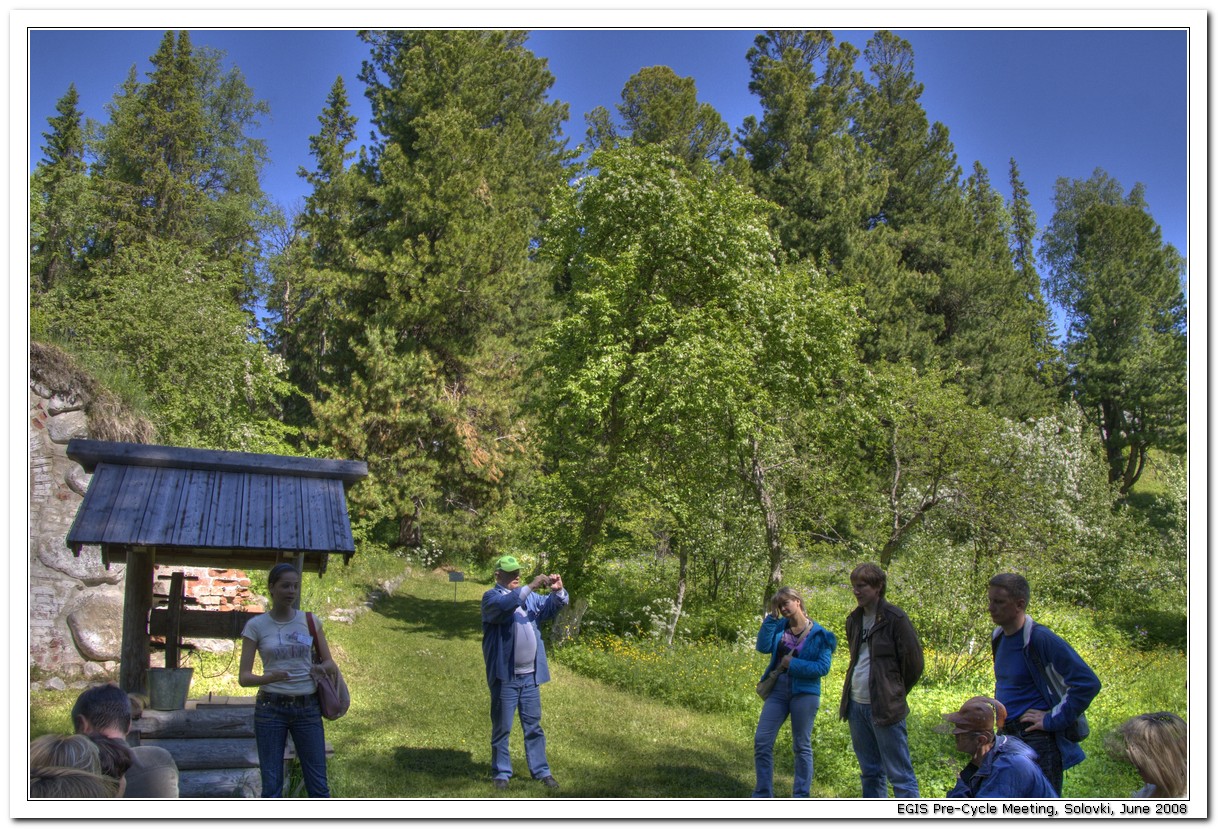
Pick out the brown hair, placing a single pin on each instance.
(116, 756)
(871, 575)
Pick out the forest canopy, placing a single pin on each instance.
(695, 362)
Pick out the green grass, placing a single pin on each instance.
(625, 718)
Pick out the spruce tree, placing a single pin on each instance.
(443, 293)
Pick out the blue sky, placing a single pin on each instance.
(1061, 102)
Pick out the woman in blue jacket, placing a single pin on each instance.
(800, 652)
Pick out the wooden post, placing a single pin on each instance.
(137, 604)
(300, 569)
(173, 637)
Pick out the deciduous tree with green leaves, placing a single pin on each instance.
(682, 349)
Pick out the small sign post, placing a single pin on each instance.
(455, 576)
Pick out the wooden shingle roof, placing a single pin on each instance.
(203, 507)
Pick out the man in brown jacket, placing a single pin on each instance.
(885, 663)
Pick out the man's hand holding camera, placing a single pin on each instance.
(553, 581)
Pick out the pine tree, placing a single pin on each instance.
(803, 153)
(1126, 347)
(314, 273)
(659, 107)
(59, 195)
(443, 293)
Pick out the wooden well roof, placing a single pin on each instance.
(202, 507)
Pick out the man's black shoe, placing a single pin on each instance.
(549, 782)
(501, 783)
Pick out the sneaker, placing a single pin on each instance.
(549, 782)
(500, 783)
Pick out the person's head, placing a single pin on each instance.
(283, 583)
(869, 583)
(1008, 597)
(1157, 745)
(507, 572)
(102, 709)
(975, 725)
(116, 757)
(786, 601)
(62, 781)
(75, 751)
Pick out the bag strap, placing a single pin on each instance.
(313, 633)
(803, 637)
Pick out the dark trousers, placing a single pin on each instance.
(1044, 743)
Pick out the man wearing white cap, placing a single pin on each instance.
(516, 666)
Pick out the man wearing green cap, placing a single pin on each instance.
(516, 667)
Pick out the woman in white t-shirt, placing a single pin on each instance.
(287, 691)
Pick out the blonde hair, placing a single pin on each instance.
(1157, 745)
(784, 593)
(64, 781)
(76, 751)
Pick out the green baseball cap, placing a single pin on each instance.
(507, 564)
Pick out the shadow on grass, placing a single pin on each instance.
(435, 617)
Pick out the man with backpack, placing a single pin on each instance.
(1043, 683)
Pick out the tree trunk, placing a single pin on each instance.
(683, 558)
(773, 535)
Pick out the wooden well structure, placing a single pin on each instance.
(150, 505)
(172, 506)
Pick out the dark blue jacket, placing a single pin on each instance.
(809, 664)
(1070, 684)
(498, 637)
(1008, 770)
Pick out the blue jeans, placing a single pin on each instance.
(521, 693)
(274, 719)
(801, 708)
(883, 753)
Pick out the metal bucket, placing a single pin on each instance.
(168, 688)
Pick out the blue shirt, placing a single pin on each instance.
(499, 625)
(1008, 770)
(1014, 686)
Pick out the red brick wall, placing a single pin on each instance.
(208, 588)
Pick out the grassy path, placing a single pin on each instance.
(420, 726)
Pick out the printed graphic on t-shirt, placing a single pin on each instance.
(292, 645)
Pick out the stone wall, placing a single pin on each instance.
(75, 603)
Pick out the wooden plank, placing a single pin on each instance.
(286, 514)
(137, 604)
(223, 558)
(219, 701)
(194, 513)
(89, 526)
(318, 529)
(90, 453)
(128, 509)
(220, 783)
(225, 507)
(164, 503)
(342, 539)
(232, 721)
(255, 531)
(201, 624)
(210, 752)
(173, 633)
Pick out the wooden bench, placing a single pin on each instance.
(212, 742)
